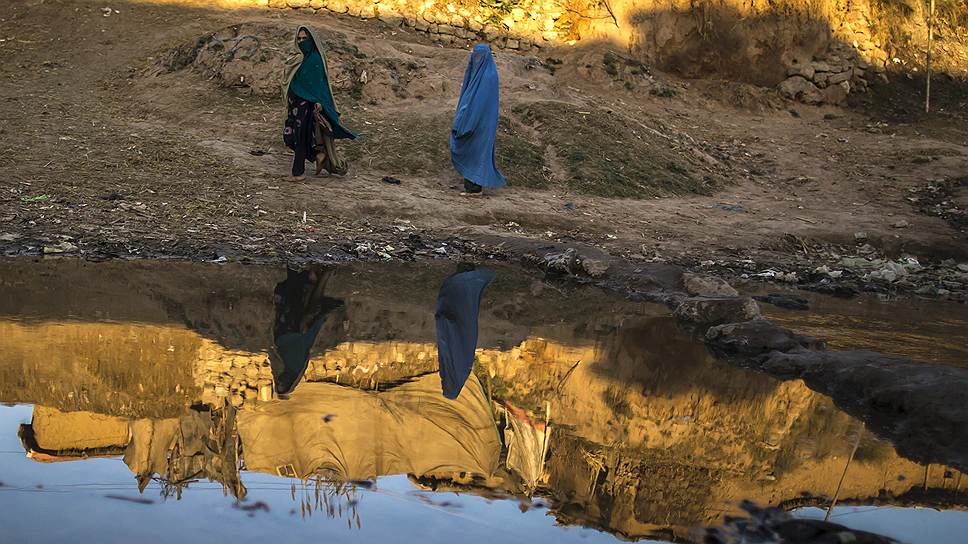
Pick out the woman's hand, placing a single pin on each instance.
(318, 106)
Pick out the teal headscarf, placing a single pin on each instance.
(311, 83)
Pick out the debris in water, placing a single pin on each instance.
(251, 508)
(136, 500)
(63, 247)
(789, 302)
(36, 198)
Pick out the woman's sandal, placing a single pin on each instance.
(296, 179)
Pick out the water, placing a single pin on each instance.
(925, 330)
(140, 406)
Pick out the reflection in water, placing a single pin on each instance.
(929, 331)
(301, 310)
(650, 435)
(458, 306)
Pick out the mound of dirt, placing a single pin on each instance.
(249, 57)
(608, 154)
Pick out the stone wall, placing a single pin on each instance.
(529, 24)
(765, 42)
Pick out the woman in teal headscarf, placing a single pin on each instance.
(312, 122)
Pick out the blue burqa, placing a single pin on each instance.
(458, 305)
(474, 128)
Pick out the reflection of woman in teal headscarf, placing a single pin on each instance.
(313, 121)
(301, 312)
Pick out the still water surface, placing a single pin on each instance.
(143, 405)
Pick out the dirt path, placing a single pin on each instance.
(104, 154)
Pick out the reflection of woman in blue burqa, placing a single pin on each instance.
(474, 129)
(458, 305)
(301, 311)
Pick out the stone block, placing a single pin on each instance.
(798, 88)
(703, 285)
(836, 94)
(838, 78)
(820, 66)
(804, 70)
(717, 310)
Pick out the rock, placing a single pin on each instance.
(298, 3)
(798, 88)
(838, 78)
(820, 66)
(62, 247)
(902, 224)
(857, 262)
(707, 286)
(717, 310)
(390, 20)
(595, 268)
(897, 268)
(789, 302)
(265, 392)
(884, 275)
(756, 337)
(560, 263)
(860, 236)
(836, 94)
(805, 71)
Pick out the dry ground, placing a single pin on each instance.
(113, 144)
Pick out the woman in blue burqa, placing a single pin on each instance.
(312, 123)
(474, 128)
